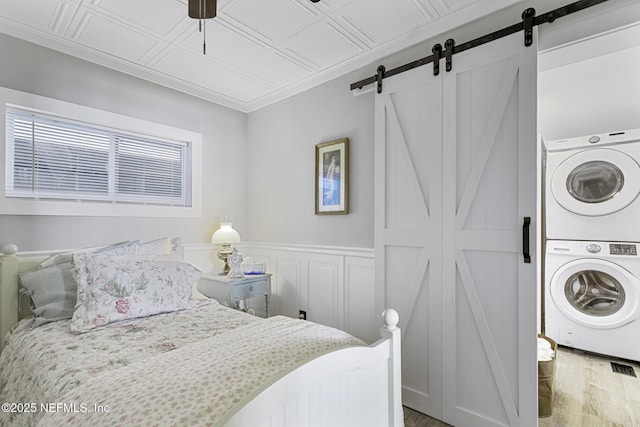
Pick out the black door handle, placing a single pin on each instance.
(525, 240)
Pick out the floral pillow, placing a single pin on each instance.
(52, 286)
(112, 289)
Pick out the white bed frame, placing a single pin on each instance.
(356, 386)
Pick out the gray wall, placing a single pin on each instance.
(48, 73)
(281, 161)
(589, 84)
(575, 100)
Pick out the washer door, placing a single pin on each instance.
(596, 182)
(596, 293)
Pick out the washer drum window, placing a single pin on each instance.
(594, 293)
(595, 182)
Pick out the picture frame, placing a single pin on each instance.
(332, 177)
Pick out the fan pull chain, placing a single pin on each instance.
(204, 29)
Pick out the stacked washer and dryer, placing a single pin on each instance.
(592, 265)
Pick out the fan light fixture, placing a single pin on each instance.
(202, 10)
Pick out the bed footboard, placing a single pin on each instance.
(356, 386)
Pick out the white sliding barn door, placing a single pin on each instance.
(455, 177)
(408, 218)
(489, 292)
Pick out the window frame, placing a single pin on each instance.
(36, 104)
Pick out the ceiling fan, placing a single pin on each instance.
(203, 10)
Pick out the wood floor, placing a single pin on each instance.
(416, 419)
(588, 394)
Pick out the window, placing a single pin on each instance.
(84, 163)
(60, 159)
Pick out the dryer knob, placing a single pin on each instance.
(593, 248)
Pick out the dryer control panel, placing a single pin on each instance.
(622, 249)
(625, 136)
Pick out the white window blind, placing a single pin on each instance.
(56, 158)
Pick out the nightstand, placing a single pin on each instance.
(229, 291)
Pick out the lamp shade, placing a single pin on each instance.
(225, 234)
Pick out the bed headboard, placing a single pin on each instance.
(12, 263)
(12, 308)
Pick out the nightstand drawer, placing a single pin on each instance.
(250, 289)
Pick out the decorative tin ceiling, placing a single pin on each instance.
(258, 51)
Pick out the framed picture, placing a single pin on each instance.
(332, 177)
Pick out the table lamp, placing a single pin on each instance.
(225, 237)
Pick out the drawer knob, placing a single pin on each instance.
(251, 288)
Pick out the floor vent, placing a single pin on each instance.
(623, 369)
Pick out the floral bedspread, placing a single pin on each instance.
(193, 367)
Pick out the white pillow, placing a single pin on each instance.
(112, 289)
(161, 246)
(125, 248)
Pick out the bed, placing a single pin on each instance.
(139, 346)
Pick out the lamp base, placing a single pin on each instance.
(223, 255)
(225, 271)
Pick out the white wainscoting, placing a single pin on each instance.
(333, 285)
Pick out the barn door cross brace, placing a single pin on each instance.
(529, 20)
